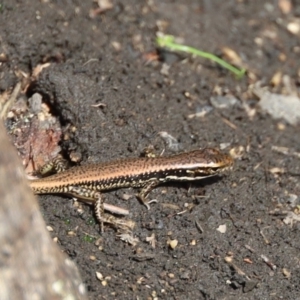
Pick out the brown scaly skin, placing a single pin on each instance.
(87, 182)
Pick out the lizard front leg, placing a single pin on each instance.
(146, 189)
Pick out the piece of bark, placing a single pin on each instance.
(31, 264)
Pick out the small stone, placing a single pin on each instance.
(99, 276)
(294, 27)
(222, 228)
(222, 102)
(286, 272)
(49, 228)
(173, 244)
(193, 243)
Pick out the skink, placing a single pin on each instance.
(87, 182)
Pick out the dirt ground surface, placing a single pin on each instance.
(112, 93)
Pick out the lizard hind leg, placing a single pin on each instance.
(106, 218)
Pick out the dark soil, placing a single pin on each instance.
(104, 60)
